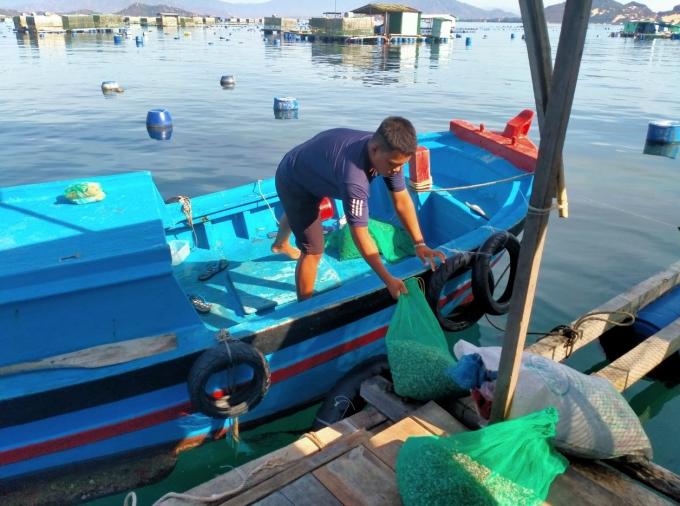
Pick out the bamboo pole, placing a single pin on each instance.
(540, 63)
(562, 87)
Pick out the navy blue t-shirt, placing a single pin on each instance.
(335, 164)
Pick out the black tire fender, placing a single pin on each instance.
(453, 267)
(481, 267)
(228, 354)
(344, 399)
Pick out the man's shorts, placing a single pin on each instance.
(302, 210)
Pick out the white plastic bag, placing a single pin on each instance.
(595, 420)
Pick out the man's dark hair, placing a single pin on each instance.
(396, 133)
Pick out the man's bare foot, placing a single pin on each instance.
(287, 249)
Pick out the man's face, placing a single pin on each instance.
(387, 163)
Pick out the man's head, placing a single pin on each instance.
(392, 145)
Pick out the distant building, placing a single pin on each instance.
(395, 19)
(649, 28)
(167, 19)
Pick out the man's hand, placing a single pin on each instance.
(395, 286)
(425, 253)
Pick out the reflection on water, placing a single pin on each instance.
(667, 149)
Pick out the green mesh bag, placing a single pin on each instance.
(417, 350)
(507, 464)
(393, 242)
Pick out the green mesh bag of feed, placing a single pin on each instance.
(511, 463)
(417, 350)
(393, 242)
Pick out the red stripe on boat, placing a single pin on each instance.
(174, 412)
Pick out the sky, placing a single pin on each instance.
(512, 5)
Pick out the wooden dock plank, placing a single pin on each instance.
(284, 457)
(387, 444)
(276, 499)
(626, 370)
(436, 420)
(307, 491)
(626, 490)
(374, 391)
(359, 478)
(631, 301)
(298, 469)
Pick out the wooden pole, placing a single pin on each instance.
(540, 63)
(561, 97)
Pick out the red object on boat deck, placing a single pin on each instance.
(419, 165)
(512, 144)
(326, 209)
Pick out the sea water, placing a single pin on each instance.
(624, 210)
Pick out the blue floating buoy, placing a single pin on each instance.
(158, 119)
(117, 39)
(663, 131)
(277, 42)
(468, 41)
(512, 35)
(228, 81)
(285, 103)
(176, 38)
(73, 34)
(210, 43)
(459, 36)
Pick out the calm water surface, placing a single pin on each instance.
(624, 207)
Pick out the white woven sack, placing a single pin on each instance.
(595, 420)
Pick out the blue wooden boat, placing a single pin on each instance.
(98, 336)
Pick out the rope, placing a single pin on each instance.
(186, 209)
(350, 423)
(421, 284)
(315, 439)
(457, 188)
(421, 186)
(259, 187)
(270, 463)
(554, 207)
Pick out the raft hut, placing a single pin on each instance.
(649, 28)
(78, 22)
(275, 24)
(20, 23)
(46, 23)
(167, 19)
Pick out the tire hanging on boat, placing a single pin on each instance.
(344, 399)
(482, 288)
(454, 266)
(227, 356)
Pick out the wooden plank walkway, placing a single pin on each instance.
(352, 463)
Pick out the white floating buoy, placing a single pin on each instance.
(110, 86)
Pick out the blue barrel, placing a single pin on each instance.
(277, 42)
(658, 314)
(512, 35)
(379, 30)
(468, 41)
(285, 103)
(117, 39)
(459, 36)
(663, 131)
(158, 119)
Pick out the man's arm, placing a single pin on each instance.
(369, 252)
(406, 213)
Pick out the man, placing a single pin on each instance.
(340, 164)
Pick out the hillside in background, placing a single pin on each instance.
(605, 11)
(292, 8)
(138, 10)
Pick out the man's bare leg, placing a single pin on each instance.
(305, 275)
(282, 242)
